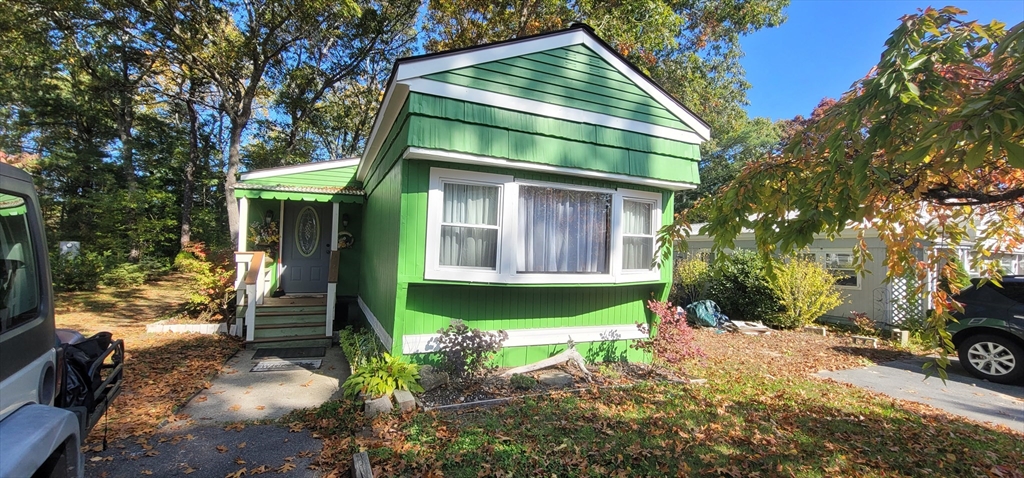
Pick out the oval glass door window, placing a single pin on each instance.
(307, 231)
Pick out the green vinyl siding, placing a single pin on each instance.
(382, 225)
(391, 150)
(453, 125)
(574, 77)
(349, 258)
(430, 307)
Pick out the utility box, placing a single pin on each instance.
(70, 248)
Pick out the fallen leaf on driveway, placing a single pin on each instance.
(222, 449)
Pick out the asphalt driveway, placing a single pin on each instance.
(962, 394)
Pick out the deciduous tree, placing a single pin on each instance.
(928, 149)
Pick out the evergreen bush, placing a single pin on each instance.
(82, 272)
(740, 287)
(124, 276)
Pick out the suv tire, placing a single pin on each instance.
(993, 358)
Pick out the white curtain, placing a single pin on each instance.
(638, 235)
(562, 231)
(469, 226)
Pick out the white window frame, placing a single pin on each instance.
(820, 259)
(508, 220)
(618, 236)
(435, 215)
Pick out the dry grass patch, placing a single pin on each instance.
(162, 371)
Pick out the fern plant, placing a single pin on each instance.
(381, 376)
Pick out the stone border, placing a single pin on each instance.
(208, 329)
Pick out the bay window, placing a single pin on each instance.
(496, 228)
(562, 231)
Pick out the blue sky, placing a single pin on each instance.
(826, 45)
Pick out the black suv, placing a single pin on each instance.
(989, 336)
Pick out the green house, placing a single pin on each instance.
(515, 186)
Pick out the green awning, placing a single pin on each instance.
(12, 205)
(353, 197)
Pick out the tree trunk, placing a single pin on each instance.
(234, 160)
(189, 185)
(125, 124)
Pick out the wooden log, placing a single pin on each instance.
(569, 354)
(361, 466)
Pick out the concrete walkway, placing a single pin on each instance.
(238, 394)
(213, 443)
(962, 394)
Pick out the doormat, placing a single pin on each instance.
(290, 352)
(285, 365)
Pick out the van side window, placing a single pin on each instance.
(20, 292)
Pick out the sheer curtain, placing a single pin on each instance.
(469, 226)
(637, 235)
(562, 230)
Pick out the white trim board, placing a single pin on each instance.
(300, 168)
(514, 103)
(382, 334)
(426, 343)
(464, 158)
(394, 100)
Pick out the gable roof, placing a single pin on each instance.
(569, 74)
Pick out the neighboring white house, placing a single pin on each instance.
(891, 303)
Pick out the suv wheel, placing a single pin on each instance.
(993, 358)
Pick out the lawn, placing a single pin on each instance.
(761, 413)
(162, 371)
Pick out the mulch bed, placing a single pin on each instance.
(494, 386)
(779, 353)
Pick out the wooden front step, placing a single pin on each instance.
(261, 312)
(301, 330)
(302, 341)
(287, 325)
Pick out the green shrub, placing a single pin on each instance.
(125, 276)
(81, 272)
(359, 346)
(382, 376)
(806, 290)
(691, 280)
(522, 382)
(211, 290)
(153, 268)
(740, 287)
(465, 352)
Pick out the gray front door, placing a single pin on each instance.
(306, 247)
